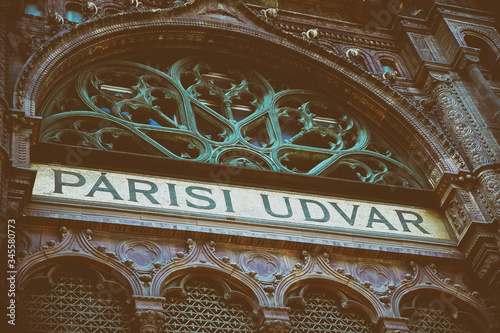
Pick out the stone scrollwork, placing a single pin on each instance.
(26, 244)
(131, 3)
(451, 110)
(203, 111)
(458, 216)
(269, 13)
(311, 33)
(490, 182)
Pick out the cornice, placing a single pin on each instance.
(466, 14)
(383, 249)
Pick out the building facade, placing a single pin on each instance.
(259, 166)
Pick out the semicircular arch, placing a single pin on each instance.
(368, 302)
(31, 266)
(253, 39)
(242, 282)
(458, 303)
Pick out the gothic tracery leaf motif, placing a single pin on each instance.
(203, 111)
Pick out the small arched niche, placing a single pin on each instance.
(74, 12)
(34, 7)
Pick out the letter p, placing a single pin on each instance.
(58, 182)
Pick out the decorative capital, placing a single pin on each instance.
(21, 181)
(149, 314)
(466, 58)
(392, 325)
(434, 79)
(19, 121)
(150, 321)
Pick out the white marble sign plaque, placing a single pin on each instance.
(196, 198)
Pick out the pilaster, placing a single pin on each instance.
(478, 241)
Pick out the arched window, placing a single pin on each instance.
(34, 7)
(206, 307)
(320, 310)
(486, 55)
(72, 299)
(74, 13)
(427, 314)
(220, 112)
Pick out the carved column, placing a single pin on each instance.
(149, 316)
(479, 241)
(469, 64)
(276, 320)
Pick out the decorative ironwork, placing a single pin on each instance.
(206, 309)
(431, 317)
(73, 303)
(203, 111)
(324, 313)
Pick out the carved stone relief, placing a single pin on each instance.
(145, 254)
(376, 275)
(264, 264)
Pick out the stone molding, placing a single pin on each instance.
(380, 292)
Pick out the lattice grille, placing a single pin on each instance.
(323, 314)
(429, 319)
(204, 310)
(72, 305)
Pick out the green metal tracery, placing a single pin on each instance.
(198, 110)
